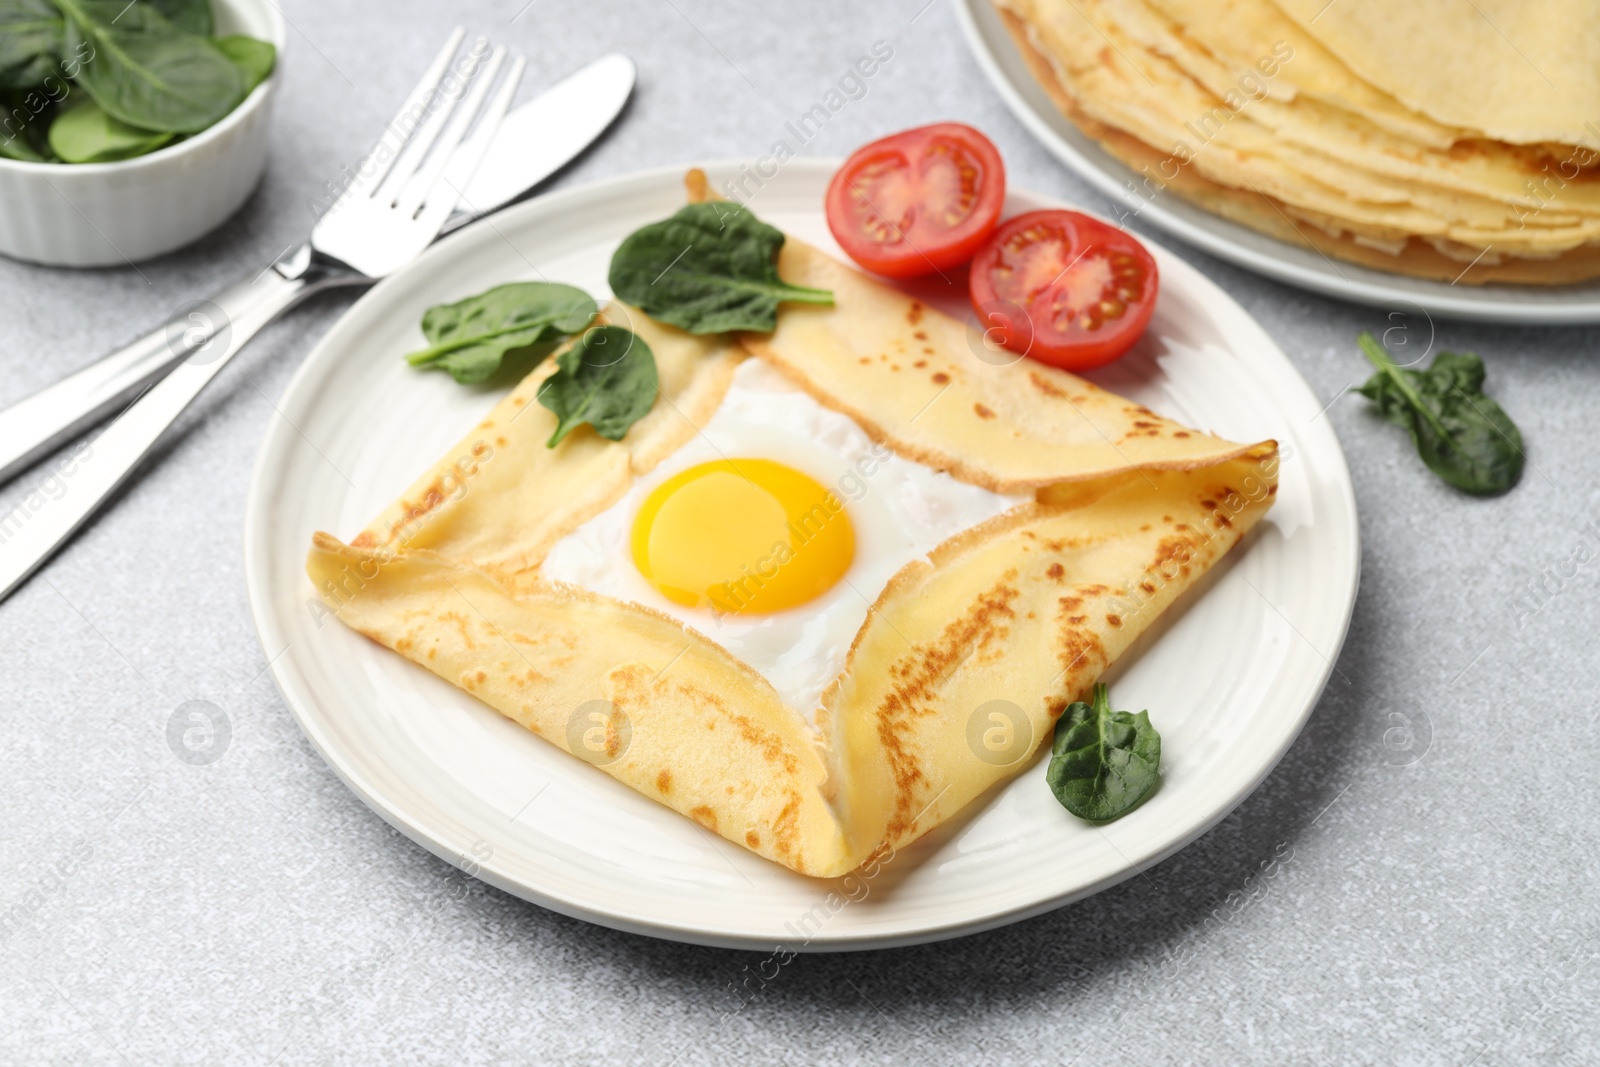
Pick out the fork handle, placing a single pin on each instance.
(38, 424)
(80, 481)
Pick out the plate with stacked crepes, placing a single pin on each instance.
(659, 566)
(1423, 156)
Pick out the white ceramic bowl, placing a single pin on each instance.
(105, 214)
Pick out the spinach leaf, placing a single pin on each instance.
(471, 337)
(255, 58)
(145, 73)
(30, 42)
(1463, 436)
(83, 133)
(186, 16)
(708, 269)
(20, 148)
(607, 379)
(1103, 763)
(23, 122)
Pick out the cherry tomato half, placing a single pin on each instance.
(918, 201)
(1064, 288)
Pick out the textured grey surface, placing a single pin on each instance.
(1440, 909)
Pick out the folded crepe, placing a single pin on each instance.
(1129, 510)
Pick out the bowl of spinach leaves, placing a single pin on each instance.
(129, 129)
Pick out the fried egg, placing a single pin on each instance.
(772, 531)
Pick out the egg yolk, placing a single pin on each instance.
(742, 536)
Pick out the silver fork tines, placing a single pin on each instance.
(425, 128)
(410, 200)
(375, 167)
(398, 203)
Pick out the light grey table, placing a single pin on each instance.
(1440, 909)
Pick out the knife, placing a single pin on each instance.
(533, 142)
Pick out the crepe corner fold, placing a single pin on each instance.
(655, 706)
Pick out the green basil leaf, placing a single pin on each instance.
(1464, 437)
(31, 34)
(145, 73)
(186, 16)
(254, 58)
(607, 378)
(83, 133)
(1103, 763)
(471, 338)
(708, 269)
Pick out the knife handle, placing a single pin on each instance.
(35, 528)
(38, 424)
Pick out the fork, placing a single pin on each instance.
(404, 191)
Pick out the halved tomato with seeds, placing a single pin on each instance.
(1064, 288)
(918, 201)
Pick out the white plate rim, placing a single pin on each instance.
(996, 53)
(281, 436)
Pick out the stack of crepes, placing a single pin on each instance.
(1449, 139)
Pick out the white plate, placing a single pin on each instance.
(1230, 678)
(1298, 266)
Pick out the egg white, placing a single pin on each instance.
(899, 510)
